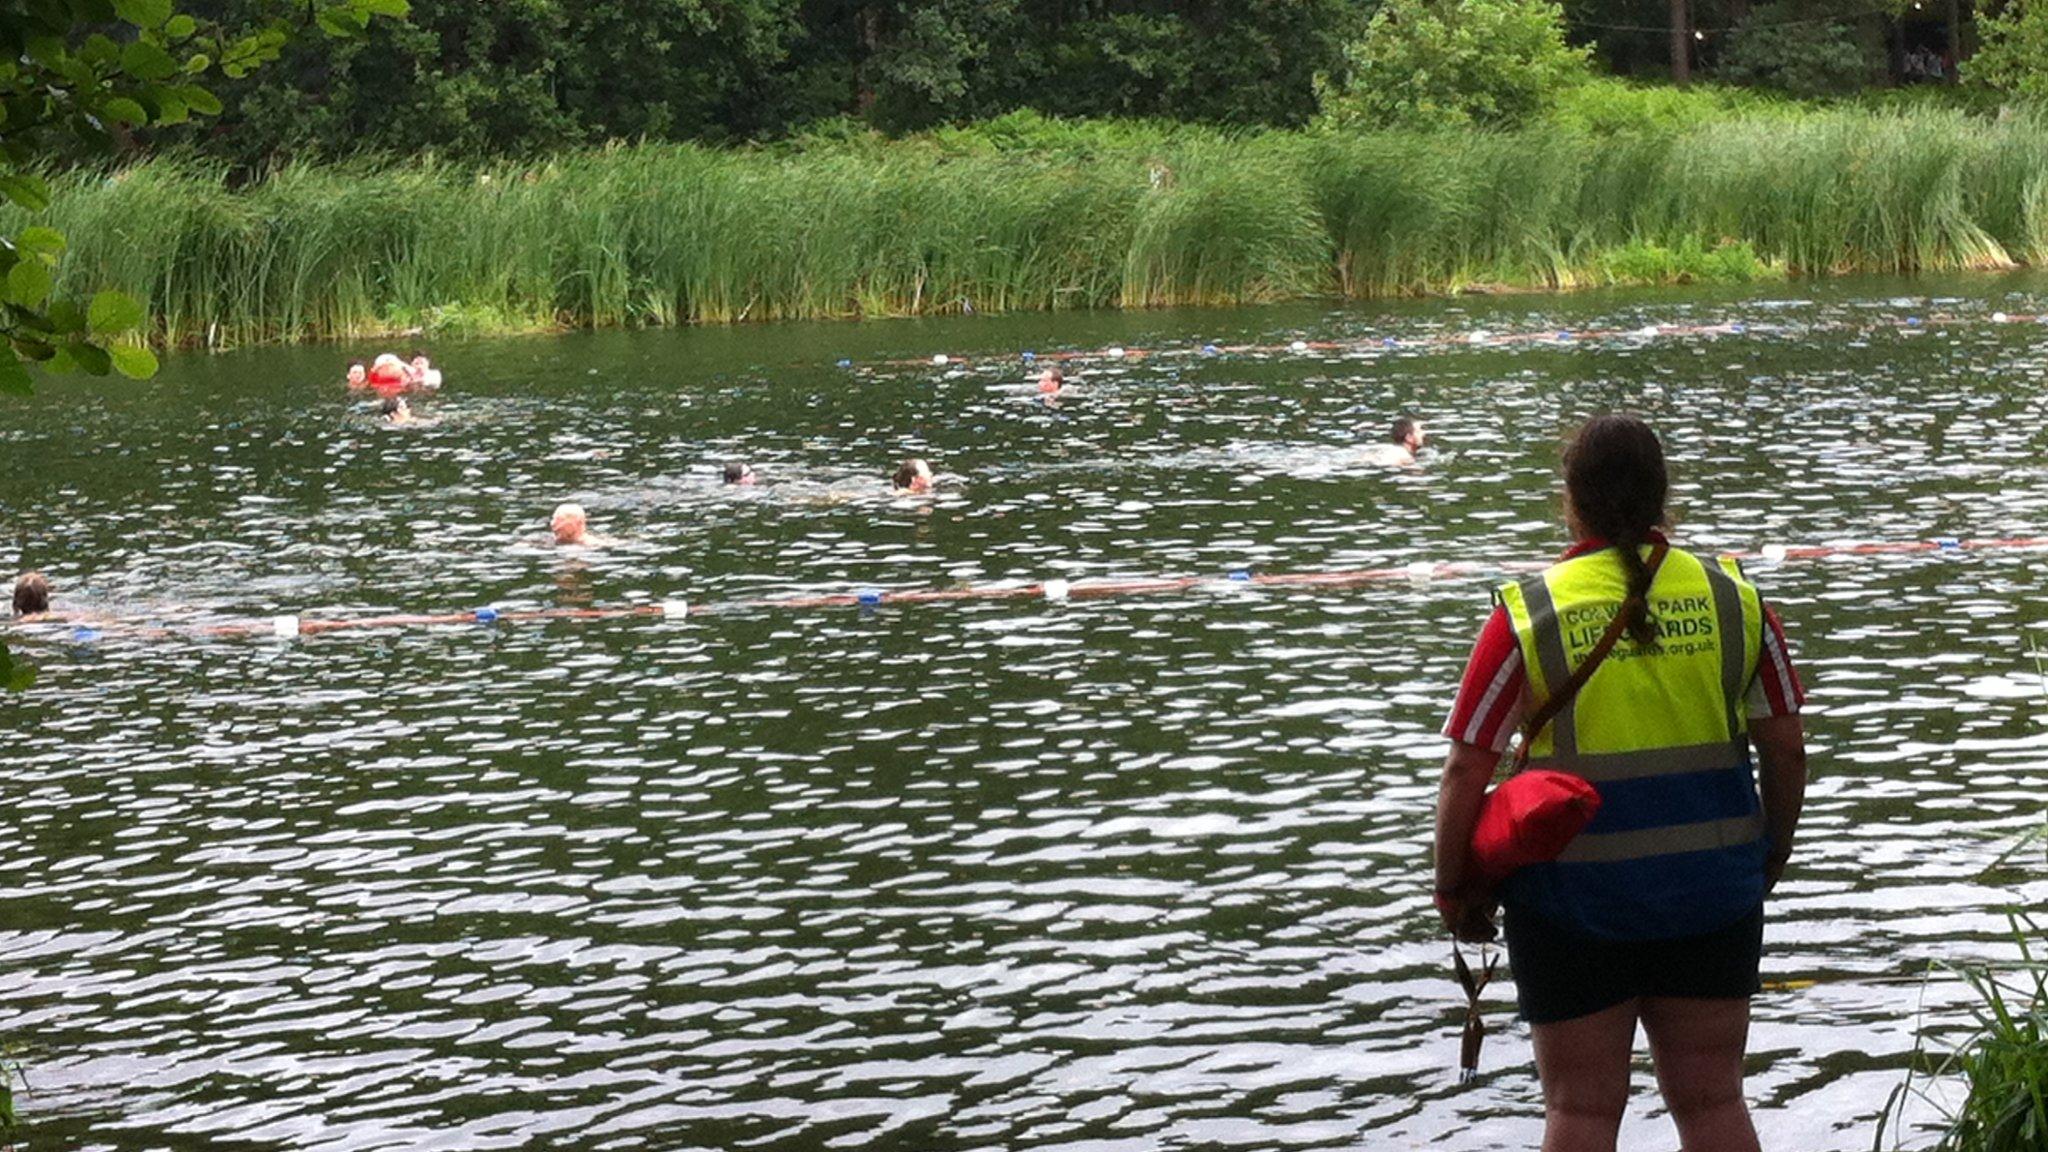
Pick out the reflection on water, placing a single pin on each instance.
(1106, 874)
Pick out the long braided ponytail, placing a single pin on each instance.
(1615, 484)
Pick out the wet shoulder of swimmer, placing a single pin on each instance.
(1402, 447)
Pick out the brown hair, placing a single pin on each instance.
(1614, 489)
(31, 594)
(906, 473)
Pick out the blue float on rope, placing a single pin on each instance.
(1912, 321)
(1240, 574)
(868, 597)
(85, 634)
(1211, 350)
(1947, 543)
(1564, 335)
(487, 615)
(1390, 341)
(846, 363)
(1030, 357)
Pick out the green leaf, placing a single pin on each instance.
(65, 317)
(170, 109)
(60, 363)
(41, 241)
(341, 23)
(14, 379)
(46, 50)
(133, 361)
(396, 9)
(199, 62)
(91, 358)
(123, 110)
(146, 61)
(99, 50)
(112, 312)
(144, 13)
(28, 283)
(199, 99)
(28, 191)
(181, 27)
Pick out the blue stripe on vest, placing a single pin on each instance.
(1660, 898)
(1661, 801)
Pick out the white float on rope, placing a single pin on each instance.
(284, 627)
(675, 609)
(1055, 589)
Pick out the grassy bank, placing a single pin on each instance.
(1032, 214)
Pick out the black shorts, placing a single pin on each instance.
(1562, 974)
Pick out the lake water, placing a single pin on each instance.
(1111, 874)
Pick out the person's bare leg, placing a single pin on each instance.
(1584, 1067)
(1697, 1046)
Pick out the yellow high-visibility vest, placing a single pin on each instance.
(1661, 731)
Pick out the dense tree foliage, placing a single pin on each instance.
(1458, 63)
(2014, 59)
(525, 76)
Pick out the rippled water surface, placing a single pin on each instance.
(1127, 873)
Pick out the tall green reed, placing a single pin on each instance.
(1035, 214)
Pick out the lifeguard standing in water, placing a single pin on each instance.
(1655, 912)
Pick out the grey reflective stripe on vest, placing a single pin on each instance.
(1733, 638)
(1602, 767)
(1564, 732)
(1610, 847)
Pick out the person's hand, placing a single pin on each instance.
(1774, 869)
(1469, 921)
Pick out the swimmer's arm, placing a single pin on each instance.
(1781, 778)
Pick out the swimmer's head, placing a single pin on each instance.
(419, 361)
(913, 475)
(568, 524)
(1408, 433)
(31, 594)
(357, 374)
(395, 409)
(737, 472)
(1051, 380)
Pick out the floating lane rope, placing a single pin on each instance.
(1056, 590)
(1475, 339)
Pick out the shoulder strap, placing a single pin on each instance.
(1563, 695)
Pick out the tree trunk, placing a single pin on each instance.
(1955, 38)
(869, 21)
(1681, 44)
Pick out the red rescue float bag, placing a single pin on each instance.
(387, 377)
(1529, 819)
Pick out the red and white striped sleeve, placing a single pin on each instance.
(1776, 690)
(1490, 700)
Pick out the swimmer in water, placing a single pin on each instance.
(358, 375)
(31, 595)
(395, 410)
(421, 372)
(739, 473)
(913, 476)
(1050, 382)
(570, 526)
(1404, 440)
